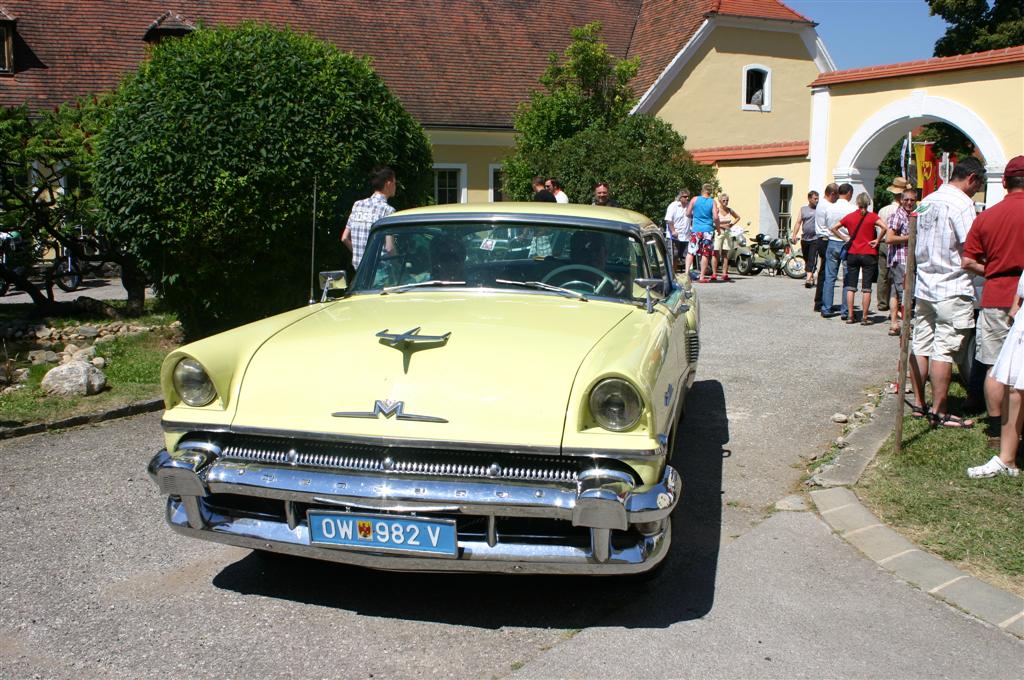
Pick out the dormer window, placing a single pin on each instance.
(167, 25)
(756, 88)
(6, 44)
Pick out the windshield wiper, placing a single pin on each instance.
(407, 286)
(539, 285)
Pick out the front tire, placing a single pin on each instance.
(745, 265)
(67, 276)
(796, 267)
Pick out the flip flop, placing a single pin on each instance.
(950, 420)
(893, 330)
(918, 411)
(867, 322)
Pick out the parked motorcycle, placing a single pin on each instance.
(10, 241)
(774, 254)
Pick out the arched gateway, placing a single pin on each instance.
(857, 115)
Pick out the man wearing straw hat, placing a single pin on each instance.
(896, 188)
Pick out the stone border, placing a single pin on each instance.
(840, 508)
(132, 409)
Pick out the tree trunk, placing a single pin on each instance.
(135, 284)
(21, 281)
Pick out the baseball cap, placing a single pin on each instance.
(1015, 168)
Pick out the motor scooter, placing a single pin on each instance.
(774, 254)
(10, 241)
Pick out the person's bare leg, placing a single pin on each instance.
(1013, 420)
(714, 262)
(724, 259)
(994, 393)
(849, 305)
(894, 306)
(865, 303)
(689, 262)
(918, 377)
(940, 374)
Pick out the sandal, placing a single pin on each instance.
(919, 411)
(950, 420)
(894, 330)
(866, 322)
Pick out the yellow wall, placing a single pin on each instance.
(995, 94)
(705, 99)
(743, 180)
(476, 149)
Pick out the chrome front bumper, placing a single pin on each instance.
(601, 501)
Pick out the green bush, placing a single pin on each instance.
(207, 166)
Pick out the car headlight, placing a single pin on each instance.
(192, 384)
(615, 405)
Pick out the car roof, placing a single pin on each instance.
(568, 214)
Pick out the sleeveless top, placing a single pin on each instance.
(703, 214)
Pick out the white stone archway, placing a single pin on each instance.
(858, 162)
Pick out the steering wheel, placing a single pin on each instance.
(605, 279)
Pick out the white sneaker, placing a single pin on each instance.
(991, 469)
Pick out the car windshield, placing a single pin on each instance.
(594, 263)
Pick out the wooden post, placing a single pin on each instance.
(908, 299)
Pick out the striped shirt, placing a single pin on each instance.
(364, 215)
(944, 218)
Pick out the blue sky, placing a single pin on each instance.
(871, 32)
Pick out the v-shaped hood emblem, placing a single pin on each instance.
(411, 341)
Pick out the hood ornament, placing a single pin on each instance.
(389, 408)
(411, 341)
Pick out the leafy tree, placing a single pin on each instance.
(578, 128)
(208, 166)
(45, 193)
(978, 25)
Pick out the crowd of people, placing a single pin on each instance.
(848, 242)
(843, 239)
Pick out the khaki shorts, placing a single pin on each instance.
(723, 240)
(993, 326)
(941, 328)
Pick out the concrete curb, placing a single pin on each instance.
(133, 409)
(840, 508)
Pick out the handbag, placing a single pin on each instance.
(845, 250)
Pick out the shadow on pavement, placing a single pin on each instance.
(684, 589)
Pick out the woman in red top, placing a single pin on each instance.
(861, 230)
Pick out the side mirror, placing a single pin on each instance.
(659, 286)
(332, 280)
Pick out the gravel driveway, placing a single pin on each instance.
(93, 583)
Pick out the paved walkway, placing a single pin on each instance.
(93, 583)
(100, 289)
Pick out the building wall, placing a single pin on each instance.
(753, 184)
(705, 104)
(477, 150)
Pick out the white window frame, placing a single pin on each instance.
(767, 105)
(463, 169)
(490, 180)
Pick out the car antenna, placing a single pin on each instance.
(312, 248)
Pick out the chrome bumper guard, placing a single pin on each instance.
(601, 500)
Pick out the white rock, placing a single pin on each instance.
(105, 339)
(89, 331)
(839, 418)
(99, 362)
(841, 442)
(70, 349)
(75, 378)
(85, 354)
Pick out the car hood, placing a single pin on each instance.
(503, 376)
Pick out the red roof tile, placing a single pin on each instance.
(463, 63)
(1007, 55)
(713, 154)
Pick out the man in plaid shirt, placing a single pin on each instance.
(897, 235)
(366, 212)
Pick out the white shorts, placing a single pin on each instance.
(941, 328)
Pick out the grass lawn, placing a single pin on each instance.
(133, 374)
(926, 495)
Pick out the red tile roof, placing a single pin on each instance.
(461, 63)
(714, 154)
(1007, 55)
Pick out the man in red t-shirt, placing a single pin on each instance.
(995, 250)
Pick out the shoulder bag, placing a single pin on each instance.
(845, 250)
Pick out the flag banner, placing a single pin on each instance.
(927, 168)
(904, 157)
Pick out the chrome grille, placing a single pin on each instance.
(434, 463)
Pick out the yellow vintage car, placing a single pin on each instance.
(498, 389)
